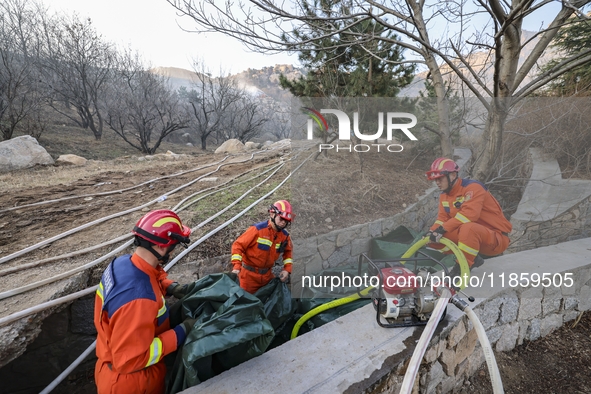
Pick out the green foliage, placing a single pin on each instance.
(573, 39)
(359, 61)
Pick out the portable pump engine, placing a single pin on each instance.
(404, 296)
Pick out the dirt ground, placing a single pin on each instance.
(328, 193)
(556, 364)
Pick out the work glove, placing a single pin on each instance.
(233, 275)
(188, 324)
(436, 235)
(284, 276)
(177, 290)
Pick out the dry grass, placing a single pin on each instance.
(110, 154)
(65, 175)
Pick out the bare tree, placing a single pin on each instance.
(142, 109)
(20, 91)
(246, 118)
(491, 28)
(211, 101)
(279, 124)
(77, 67)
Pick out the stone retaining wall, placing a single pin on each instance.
(574, 223)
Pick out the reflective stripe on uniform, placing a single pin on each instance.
(264, 241)
(162, 310)
(237, 257)
(462, 218)
(465, 248)
(155, 352)
(438, 222)
(99, 292)
(287, 261)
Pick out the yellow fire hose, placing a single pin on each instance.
(464, 272)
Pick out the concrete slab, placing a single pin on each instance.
(562, 257)
(352, 353)
(547, 194)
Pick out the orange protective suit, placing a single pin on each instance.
(473, 219)
(133, 327)
(254, 253)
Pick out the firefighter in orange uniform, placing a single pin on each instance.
(254, 253)
(468, 215)
(130, 314)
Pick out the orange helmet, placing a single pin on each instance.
(283, 209)
(162, 227)
(441, 167)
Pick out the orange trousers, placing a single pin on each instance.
(146, 381)
(472, 239)
(252, 281)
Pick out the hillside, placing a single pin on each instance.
(264, 81)
(482, 63)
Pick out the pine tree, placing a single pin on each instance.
(373, 67)
(572, 39)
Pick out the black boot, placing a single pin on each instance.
(478, 261)
(455, 271)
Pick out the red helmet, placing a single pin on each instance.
(441, 167)
(283, 209)
(162, 227)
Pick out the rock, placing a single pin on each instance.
(168, 156)
(283, 144)
(231, 146)
(22, 152)
(70, 159)
(252, 145)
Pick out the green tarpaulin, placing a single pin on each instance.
(231, 328)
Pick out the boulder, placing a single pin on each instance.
(231, 146)
(281, 145)
(22, 152)
(252, 145)
(169, 156)
(70, 159)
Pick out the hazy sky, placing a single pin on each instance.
(150, 27)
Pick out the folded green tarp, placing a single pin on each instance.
(234, 326)
(231, 328)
